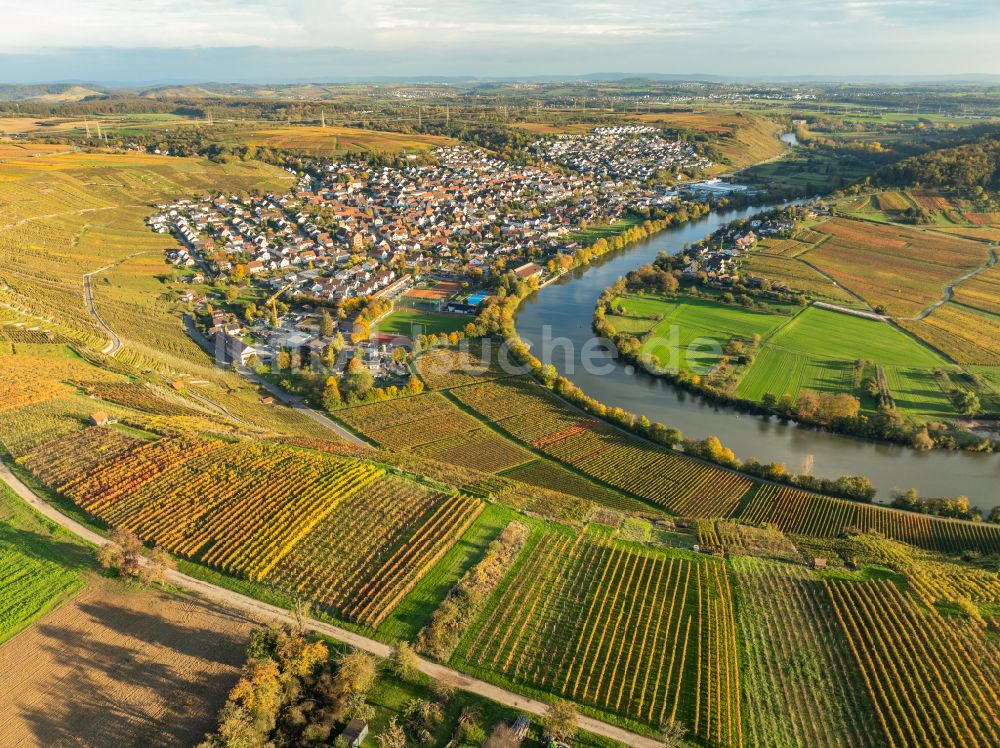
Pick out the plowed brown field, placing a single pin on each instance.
(120, 668)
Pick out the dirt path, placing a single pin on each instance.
(258, 609)
(850, 310)
(115, 343)
(949, 290)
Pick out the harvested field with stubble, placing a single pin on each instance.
(120, 668)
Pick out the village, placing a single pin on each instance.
(634, 152)
(353, 243)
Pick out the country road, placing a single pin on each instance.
(228, 598)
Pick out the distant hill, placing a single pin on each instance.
(55, 92)
(182, 92)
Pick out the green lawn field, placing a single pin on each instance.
(817, 350)
(591, 234)
(693, 332)
(413, 322)
(39, 565)
(828, 334)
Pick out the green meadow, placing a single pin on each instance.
(808, 349)
(817, 350)
(689, 332)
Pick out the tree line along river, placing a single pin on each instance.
(566, 307)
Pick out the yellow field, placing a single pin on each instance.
(66, 214)
(325, 141)
(546, 128)
(982, 233)
(10, 149)
(19, 125)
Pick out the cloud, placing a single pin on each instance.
(519, 37)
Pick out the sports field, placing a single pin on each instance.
(413, 322)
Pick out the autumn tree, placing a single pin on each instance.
(404, 661)
(673, 733)
(392, 737)
(331, 394)
(561, 720)
(503, 736)
(326, 325)
(122, 552)
(356, 672)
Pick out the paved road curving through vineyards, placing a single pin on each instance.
(261, 610)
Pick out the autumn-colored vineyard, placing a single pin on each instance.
(631, 632)
(805, 513)
(240, 506)
(430, 425)
(932, 680)
(333, 529)
(800, 683)
(904, 270)
(533, 415)
(60, 460)
(139, 397)
(967, 335)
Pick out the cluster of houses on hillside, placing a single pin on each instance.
(632, 152)
(351, 230)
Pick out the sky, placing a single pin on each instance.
(164, 41)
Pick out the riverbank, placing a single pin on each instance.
(564, 308)
(756, 373)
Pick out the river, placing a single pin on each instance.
(567, 306)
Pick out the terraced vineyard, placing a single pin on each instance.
(409, 421)
(431, 426)
(336, 530)
(551, 476)
(140, 397)
(60, 460)
(480, 449)
(638, 633)
(240, 507)
(805, 513)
